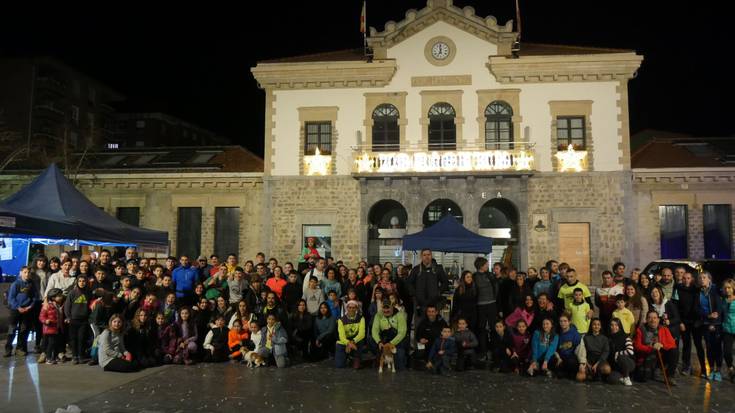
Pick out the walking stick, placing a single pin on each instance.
(663, 370)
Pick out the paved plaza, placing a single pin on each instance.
(27, 387)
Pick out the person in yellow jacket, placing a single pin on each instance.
(581, 312)
(627, 319)
(351, 331)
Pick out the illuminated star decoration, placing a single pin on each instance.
(318, 164)
(570, 160)
(523, 161)
(364, 163)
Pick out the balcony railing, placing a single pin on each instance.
(518, 156)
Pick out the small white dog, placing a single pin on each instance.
(254, 359)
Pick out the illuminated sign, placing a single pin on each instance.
(571, 160)
(444, 161)
(317, 164)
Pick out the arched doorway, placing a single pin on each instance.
(438, 209)
(386, 227)
(499, 220)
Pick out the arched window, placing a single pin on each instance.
(386, 135)
(498, 126)
(442, 130)
(438, 209)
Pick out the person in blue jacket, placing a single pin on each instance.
(708, 326)
(184, 278)
(22, 298)
(543, 348)
(566, 363)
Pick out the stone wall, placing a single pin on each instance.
(596, 198)
(296, 201)
(159, 195)
(693, 189)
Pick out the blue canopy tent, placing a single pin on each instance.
(448, 235)
(51, 207)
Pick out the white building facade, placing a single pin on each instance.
(530, 147)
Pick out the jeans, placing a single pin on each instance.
(78, 338)
(121, 366)
(713, 343)
(727, 340)
(686, 345)
(486, 316)
(340, 354)
(21, 322)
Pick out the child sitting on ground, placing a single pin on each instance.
(501, 346)
(521, 347)
(466, 344)
(442, 352)
(236, 340)
(216, 342)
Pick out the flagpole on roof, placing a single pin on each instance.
(363, 29)
(516, 47)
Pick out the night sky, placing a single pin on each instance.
(193, 61)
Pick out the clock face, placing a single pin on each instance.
(440, 51)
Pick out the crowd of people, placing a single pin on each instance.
(130, 313)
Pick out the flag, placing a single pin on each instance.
(362, 18)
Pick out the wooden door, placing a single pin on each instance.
(574, 248)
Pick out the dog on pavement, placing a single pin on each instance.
(254, 359)
(387, 358)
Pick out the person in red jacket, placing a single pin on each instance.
(650, 339)
(52, 319)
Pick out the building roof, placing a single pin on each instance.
(163, 159)
(527, 49)
(543, 49)
(345, 55)
(707, 152)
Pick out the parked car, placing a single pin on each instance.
(720, 269)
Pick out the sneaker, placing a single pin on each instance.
(41, 358)
(20, 352)
(717, 376)
(530, 371)
(50, 361)
(75, 360)
(8, 353)
(626, 381)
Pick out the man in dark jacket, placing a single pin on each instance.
(687, 293)
(22, 297)
(427, 282)
(427, 332)
(487, 307)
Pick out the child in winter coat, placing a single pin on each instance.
(622, 313)
(52, 318)
(76, 311)
(501, 345)
(466, 344)
(442, 352)
(166, 334)
(216, 342)
(236, 340)
(521, 347)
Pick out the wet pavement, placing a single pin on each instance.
(319, 387)
(309, 387)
